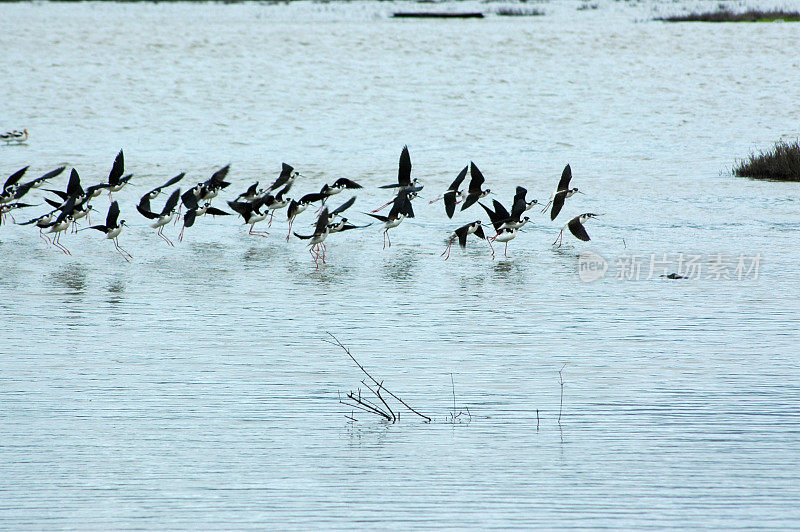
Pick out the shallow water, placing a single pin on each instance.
(192, 388)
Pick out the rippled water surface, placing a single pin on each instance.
(192, 387)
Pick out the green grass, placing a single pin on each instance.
(782, 163)
(726, 15)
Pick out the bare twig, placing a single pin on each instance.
(336, 342)
(561, 382)
(454, 395)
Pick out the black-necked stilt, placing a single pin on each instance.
(211, 186)
(251, 194)
(401, 209)
(194, 210)
(286, 177)
(166, 215)
(576, 227)
(317, 240)
(462, 233)
(112, 229)
(17, 136)
(453, 193)
(24, 188)
(153, 194)
(115, 178)
(504, 224)
(475, 191)
(60, 224)
(561, 194)
(278, 201)
(403, 172)
(342, 224)
(339, 185)
(298, 206)
(74, 189)
(42, 222)
(10, 187)
(250, 212)
(6, 208)
(520, 204)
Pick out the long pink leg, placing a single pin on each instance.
(431, 202)
(490, 246)
(257, 233)
(164, 237)
(388, 238)
(271, 214)
(44, 236)
(180, 235)
(505, 253)
(324, 248)
(290, 229)
(383, 206)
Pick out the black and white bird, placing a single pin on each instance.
(24, 188)
(504, 224)
(461, 234)
(286, 177)
(251, 194)
(453, 195)
(250, 211)
(339, 185)
(16, 136)
(403, 172)
(401, 209)
(278, 201)
(317, 239)
(61, 224)
(194, 210)
(298, 206)
(475, 190)
(6, 208)
(115, 178)
(74, 189)
(153, 194)
(561, 194)
(10, 186)
(42, 222)
(163, 218)
(112, 228)
(576, 227)
(208, 189)
(520, 202)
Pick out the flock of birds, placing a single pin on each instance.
(256, 204)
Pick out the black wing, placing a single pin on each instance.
(404, 170)
(378, 217)
(13, 178)
(283, 191)
(303, 237)
(346, 183)
(113, 214)
(171, 203)
(242, 207)
(566, 175)
(49, 175)
(251, 191)
(502, 213)
(313, 197)
(117, 169)
(66, 211)
(461, 233)
(558, 203)
(189, 217)
(213, 211)
(23, 189)
(171, 181)
(459, 179)
(344, 206)
(322, 222)
(479, 233)
(144, 209)
(519, 204)
(74, 186)
(476, 181)
(496, 220)
(577, 229)
(189, 199)
(449, 203)
(218, 177)
(470, 200)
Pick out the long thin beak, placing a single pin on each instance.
(579, 192)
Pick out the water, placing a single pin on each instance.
(192, 388)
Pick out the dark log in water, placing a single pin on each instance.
(423, 14)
